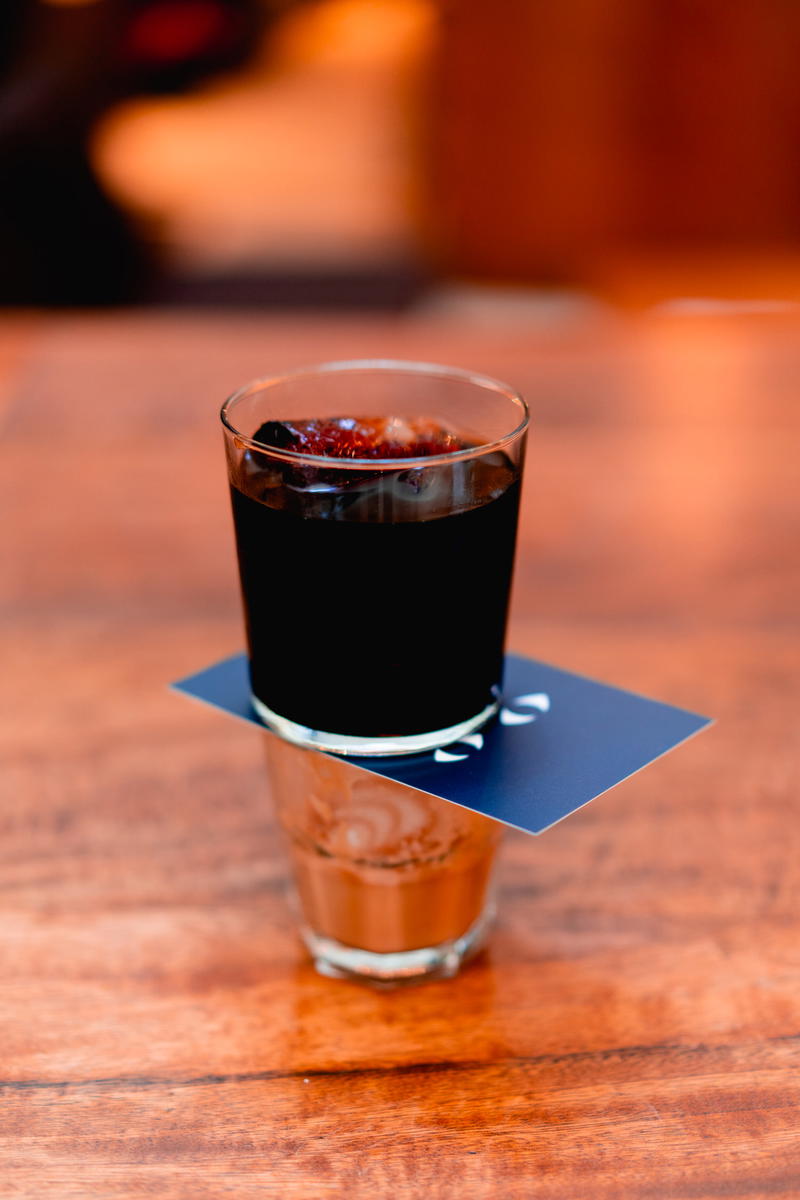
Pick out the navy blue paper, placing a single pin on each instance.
(561, 740)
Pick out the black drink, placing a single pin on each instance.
(375, 600)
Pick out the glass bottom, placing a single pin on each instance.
(337, 961)
(340, 743)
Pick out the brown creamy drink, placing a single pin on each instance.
(378, 865)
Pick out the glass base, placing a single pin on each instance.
(340, 743)
(338, 961)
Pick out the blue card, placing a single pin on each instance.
(560, 741)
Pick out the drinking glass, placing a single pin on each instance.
(391, 885)
(376, 590)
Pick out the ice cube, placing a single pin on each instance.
(361, 437)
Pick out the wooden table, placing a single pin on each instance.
(634, 1028)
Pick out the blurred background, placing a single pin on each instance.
(376, 152)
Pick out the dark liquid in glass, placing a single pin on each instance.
(376, 602)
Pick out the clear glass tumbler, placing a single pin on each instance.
(375, 573)
(392, 885)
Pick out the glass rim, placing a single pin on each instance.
(399, 367)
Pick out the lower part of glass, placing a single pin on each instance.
(340, 743)
(391, 884)
(339, 961)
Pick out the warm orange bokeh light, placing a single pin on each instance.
(307, 155)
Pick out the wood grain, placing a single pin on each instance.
(633, 1029)
(564, 131)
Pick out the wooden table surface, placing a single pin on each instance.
(634, 1028)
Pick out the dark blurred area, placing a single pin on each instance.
(338, 152)
(63, 239)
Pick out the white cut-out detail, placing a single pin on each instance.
(470, 739)
(507, 717)
(539, 700)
